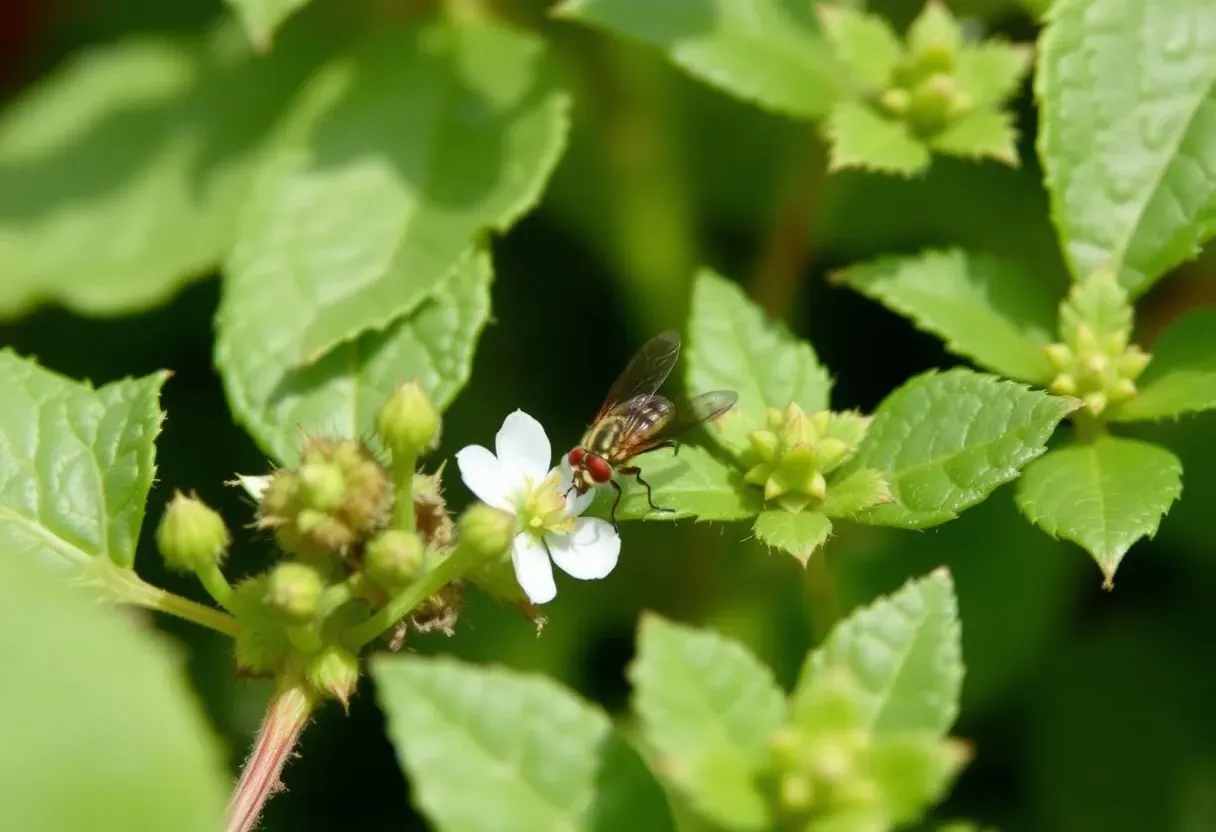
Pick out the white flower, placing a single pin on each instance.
(519, 481)
(254, 486)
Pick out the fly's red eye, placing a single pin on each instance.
(576, 456)
(600, 470)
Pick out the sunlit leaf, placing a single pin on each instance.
(858, 137)
(690, 482)
(1181, 378)
(796, 533)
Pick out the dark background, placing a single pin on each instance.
(1090, 710)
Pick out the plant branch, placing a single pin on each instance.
(125, 587)
(286, 715)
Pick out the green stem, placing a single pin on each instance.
(306, 638)
(399, 606)
(335, 596)
(1088, 427)
(821, 597)
(126, 587)
(217, 585)
(286, 715)
(403, 485)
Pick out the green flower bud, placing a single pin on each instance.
(191, 535)
(1059, 356)
(895, 101)
(1132, 362)
(1122, 390)
(1064, 385)
(394, 559)
(293, 591)
(321, 485)
(334, 672)
(262, 645)
(486, 531)
(408, 422)
(1095, 402)
(796, 792)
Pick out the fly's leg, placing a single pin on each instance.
(619, 493)
(636, 473)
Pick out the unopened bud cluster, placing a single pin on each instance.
(834, 772)
(795, 452)
(1101, 371)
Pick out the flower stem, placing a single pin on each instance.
(286, 716)
(216, 584)
(403, 485)
(125, 587)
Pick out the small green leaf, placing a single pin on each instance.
(947, 440)
(1099, 302)
(76, 465)
(100, 729)
(341, 394)
(797, 533)
(691, 482)
(1104, 495)
(707, 708)
(905, 651)
(935, 28)
(983, 134)
(914, 771)
(1181, 378)
(122, 174)
(861, 138)
(732, 344)
(262, 17)
(767, 51)
(865, 43)
(1127, 92)
(488, 748)
(991, 71)
(396, 158)
(983, 308)
(855, 492)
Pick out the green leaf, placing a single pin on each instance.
(396, 159)
(122, 173)
(767, 51)
(947, 440)
(732, 344)
(707, 708)
(1181, 378)
(905, 651)
(341, 394)
(860, 138)
(100, 729)
(865, 43)
(691, 483)
(798, 533)
(983, 134)
(935, 28)
(1127, 92)
(262, 17)
(855, 492)
(1099, 302)
(1104, 495)
(488, 748)
(991, 71)
(76, 465)
(983, 308)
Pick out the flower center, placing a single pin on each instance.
(543, 508)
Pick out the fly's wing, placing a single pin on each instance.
(645, 373)
(676, 419)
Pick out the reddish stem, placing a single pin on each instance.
(286, 716)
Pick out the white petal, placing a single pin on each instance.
(532, 568)
(590, 552)
(254, 486)
(523, 448)
(483, 475)
(576, 503)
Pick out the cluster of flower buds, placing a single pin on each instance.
(922, 90)
(1096, 362)
(354, 533)
(795, 452)
(834, 771)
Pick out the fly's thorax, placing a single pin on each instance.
(604, 435)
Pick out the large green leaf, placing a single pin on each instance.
(767, 51)
(488, 749)
(733, 345)
(905, 650)
(1127, 90)
(708, 708)
(1104, 495)
(396, 159)
(1181, 378)
(947, 440)
(340, 394)
(76, 465)
(982, 308)
(691, 483)
(100, 729)
(121, 175)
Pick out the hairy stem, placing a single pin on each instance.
(217, 585)
(125, 587)
(287, 714)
